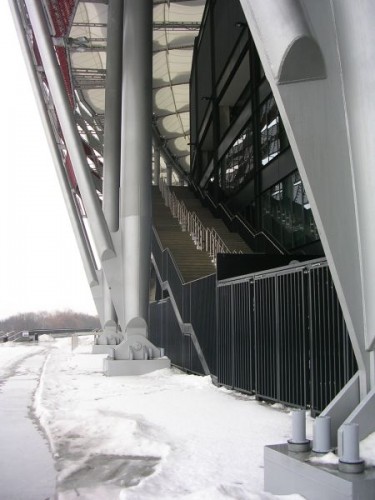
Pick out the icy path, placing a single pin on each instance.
(165, 435)
(26, 465)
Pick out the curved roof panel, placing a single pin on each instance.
(176, 24)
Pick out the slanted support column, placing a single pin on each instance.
(112, 139)
(156, 165)
(136, 157)
(77, 226)
(56, 157)
(102, 238)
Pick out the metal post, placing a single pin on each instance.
(135, 190)
(112, 120)
(299, 443)
(349, 460)
(55, 153)
(322, 435)
(156, 165)
(169, 175)
(215, 113)
(112, 134)
(99, 228)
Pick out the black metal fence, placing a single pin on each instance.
(282, 336)
(331, 355)
(278, 334)
(196, 303)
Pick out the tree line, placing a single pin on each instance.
(49, 320)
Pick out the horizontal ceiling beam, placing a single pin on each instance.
(176, 26)
(170, 47)
(89, 25)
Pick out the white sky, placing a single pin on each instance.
(40, 267)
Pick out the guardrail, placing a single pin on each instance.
(258, 240)
(185, 324)
(205, 239)
(281, 335)
(278, 334)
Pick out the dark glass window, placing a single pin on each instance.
(286, 213)
(235, 111)
(238, 162)
(271, 130)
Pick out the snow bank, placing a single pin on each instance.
(46, 338)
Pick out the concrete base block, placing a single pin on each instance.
(102, 349)
(287, 473)
(117, 367)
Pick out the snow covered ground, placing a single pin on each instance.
(165, 435)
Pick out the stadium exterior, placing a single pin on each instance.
(263, 109)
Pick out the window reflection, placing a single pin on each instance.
(271, 130)
(238, 162)
(286, 213)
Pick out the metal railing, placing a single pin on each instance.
(195, 327)
(281, 335)
(278, 334)
(204, 238)
(258, 240)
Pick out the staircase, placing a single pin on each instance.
(191, 262)
(233, 241)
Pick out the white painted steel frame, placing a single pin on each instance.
(328, 115)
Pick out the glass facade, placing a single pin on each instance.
(240, 151)
(238, 163)
(272, 136)
(286, 213)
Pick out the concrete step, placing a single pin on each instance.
(191, 262)
(233, 241)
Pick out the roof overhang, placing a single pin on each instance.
(175, 26)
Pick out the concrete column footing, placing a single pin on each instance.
(118, 367)
(102, 349)
(287, 473)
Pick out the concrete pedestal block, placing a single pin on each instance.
(102, 349)
(286, 473)
(117, 367)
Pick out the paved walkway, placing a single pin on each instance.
(26, 466)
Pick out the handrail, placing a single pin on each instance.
(162, 249)
(204, 238)
(245, 224)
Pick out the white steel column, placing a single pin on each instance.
(99, 228)
(136, 156)
(112, 123)
(112, 134)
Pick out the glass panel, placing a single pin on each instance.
(238, 162)
(286, 213)
(271, 130)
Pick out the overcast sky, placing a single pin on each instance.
(40, 267)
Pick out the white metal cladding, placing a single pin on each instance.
(176, 24)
